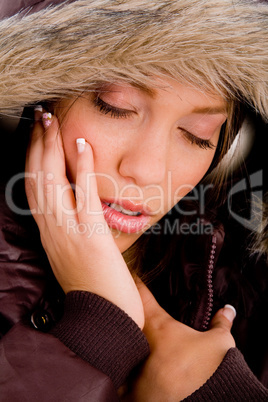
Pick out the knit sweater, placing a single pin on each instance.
(106, 337)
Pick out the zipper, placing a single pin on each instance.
(209, 284)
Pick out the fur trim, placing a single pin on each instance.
(259, 244)
(213, 44)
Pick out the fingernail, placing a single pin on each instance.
(229, 312)
(47, 119)
(38, 108)
(80, 143)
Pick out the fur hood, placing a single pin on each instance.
(53, 49)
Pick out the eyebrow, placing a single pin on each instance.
(200, 110)
(143, 88)
(210, 110)
(149, 91)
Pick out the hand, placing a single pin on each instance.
(182, 359)
(79, 261)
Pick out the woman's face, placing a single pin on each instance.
(150, 148)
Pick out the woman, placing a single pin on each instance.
(133, 103)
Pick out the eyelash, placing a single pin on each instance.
(118, 113)
(200, 142)
(113, 111)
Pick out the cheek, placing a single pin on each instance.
(70, 132)
(189, 173)
(104, 151)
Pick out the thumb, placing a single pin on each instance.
(224, 318)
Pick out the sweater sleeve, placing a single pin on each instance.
(101, 334)
(232, 381)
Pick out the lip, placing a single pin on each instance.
(126, 223)
(131, 205)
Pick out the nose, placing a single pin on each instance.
(145, 159)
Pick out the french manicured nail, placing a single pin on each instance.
(38, 108)
(80, 143)
(229, 312)
(47, 119)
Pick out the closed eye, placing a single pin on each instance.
(200, 142)
(116, 112)
(113, 111)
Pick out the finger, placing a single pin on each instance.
(35, 149)
(224, 318)
(38, 112)
(53, 149)
(87, 199)
(33, 165)
(58, 193)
